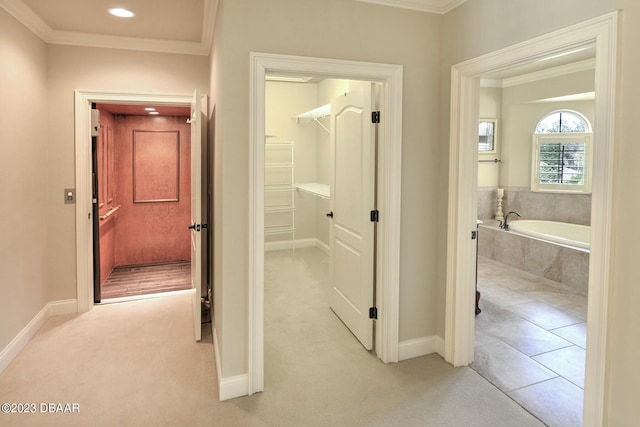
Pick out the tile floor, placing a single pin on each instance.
(530, 341)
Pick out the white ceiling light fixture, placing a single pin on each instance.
(149, 109)
(121, 13)
(154, 113)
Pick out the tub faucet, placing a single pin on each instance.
(505, 224)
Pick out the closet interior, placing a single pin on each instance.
(297, 156)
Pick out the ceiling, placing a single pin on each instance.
(184, 26)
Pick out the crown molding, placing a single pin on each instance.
(33, 22)
(432, 6)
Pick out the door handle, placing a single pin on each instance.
(330, 214)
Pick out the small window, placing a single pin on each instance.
(561, 154)
(487, 136)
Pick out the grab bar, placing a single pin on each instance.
(111, 212)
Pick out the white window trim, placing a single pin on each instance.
(540, 138)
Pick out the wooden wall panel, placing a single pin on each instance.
(151, 232)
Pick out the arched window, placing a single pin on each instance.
(561, 153)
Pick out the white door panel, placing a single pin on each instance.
(198, 130)
(353, 187)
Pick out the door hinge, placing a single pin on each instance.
(373, 312)
(198, 227)
(474, 235)
(375, 117)
(375, 216)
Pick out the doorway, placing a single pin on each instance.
(142, 177)
(387, 258)
(84, 189)
(320, 176)
(459, 339)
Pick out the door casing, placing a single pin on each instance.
(389, 191)
(463, 159)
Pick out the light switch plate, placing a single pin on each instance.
(69, 196)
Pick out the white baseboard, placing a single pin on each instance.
(290, 244)
(420, 347)
(57, 308)
(28, 332)
(311, 242)
(322, 246)
(228, 388)
(233, 387)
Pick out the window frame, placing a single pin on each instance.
(494, 149)
(569, 137)
(585, 138)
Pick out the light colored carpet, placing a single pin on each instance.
(136, 364)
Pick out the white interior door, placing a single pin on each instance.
(198, 229)
(352, 200)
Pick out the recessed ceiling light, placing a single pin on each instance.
(149, 109)
(121, 13)
(155, 113)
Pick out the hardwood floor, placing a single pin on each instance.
(132, 280)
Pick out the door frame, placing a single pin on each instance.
(84, 229)
(389, 195)
(460, 288)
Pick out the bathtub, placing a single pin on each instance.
(563, 233)
(541, 248)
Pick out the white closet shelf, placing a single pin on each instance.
(320, 190)
(278, 143)
(270, 231)
(279, 187)
(315, 114)
(276, 209)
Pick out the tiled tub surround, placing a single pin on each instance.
(572, 208)
(567, 266)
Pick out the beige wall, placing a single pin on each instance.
(24, 279)
(344, 30)
(38, 244)
(466, 36)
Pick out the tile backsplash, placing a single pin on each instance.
(572, 208)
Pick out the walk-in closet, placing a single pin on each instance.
(300, 169)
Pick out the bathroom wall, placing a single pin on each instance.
(522, 106)
(151, 231)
